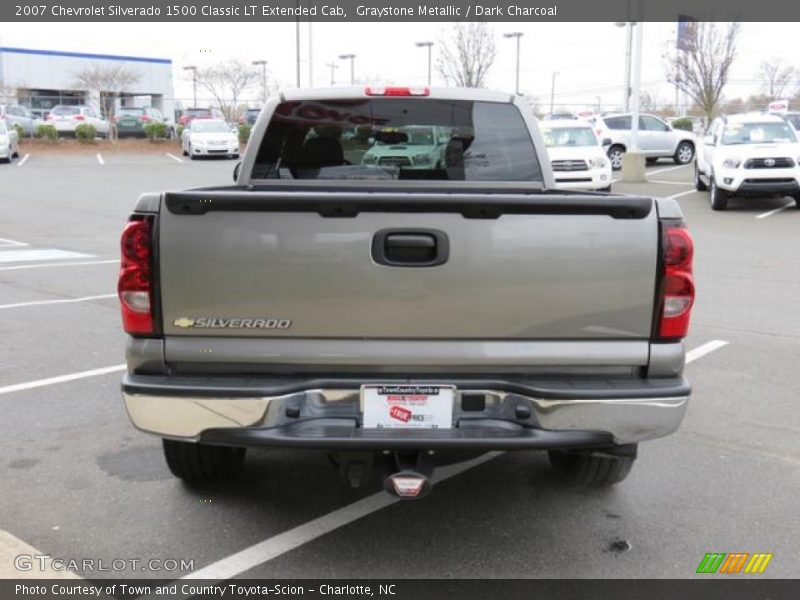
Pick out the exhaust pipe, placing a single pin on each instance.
(409, 485)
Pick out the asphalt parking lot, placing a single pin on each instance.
(79, 482)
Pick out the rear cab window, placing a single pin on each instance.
(397, 138)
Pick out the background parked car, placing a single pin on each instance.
(130, 121)
(9, 142)
(576, 155)
(656, 139)
(190, 114)
(67, 118)
(209, 137)
(249, 117)
(15, 114)
(560, 116)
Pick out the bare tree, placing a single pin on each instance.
(466, 55)
(109, 80)
(775, 77)
(226, 82)
(8, 94)
(701, 67)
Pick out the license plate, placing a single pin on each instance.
(407, 406)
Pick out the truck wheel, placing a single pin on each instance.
(719, 198)
(699, 184)
(796, 201)
(592, 468)
(684, 153)
(615, 156)
(199, 462)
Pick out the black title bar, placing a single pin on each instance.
(545, 11)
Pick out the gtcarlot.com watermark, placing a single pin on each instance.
(46, 562)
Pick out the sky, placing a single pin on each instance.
(589, 57)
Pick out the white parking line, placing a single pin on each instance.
(173, 157)
(68, 264)
(706, 348)
(668, 169)
(23, 159)
(663, 182)
(769, 213)
(100, 159)
(37, 254)
(62, 301)
(681, 194)
(11, 547)
(6, 243)
(29, 385)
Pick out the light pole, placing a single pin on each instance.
(628, 51)
(428, 46)
(553, 91)
(193, 69)
(297, 41)
(637, 80)
(515, 34)
(263, 65)
(332, 66)
(351, 58)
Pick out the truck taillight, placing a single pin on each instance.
(398, 91)
(135, 277)
(677, 286)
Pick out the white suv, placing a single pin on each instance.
(576, 156)
(749, 155)
(656, 139)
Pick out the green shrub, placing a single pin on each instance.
(155, 131)
(20, 130)
(244, 132)
(179, 131)
(684, 124)
(85, 133)
(46, 132)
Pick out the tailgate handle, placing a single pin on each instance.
(410, 247)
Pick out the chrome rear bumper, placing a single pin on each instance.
(513, 414)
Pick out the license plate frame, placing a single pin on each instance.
(407, 406)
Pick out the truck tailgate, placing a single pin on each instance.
(537, 266)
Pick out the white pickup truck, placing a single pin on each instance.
(387, 314)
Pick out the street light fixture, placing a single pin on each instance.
(332, 66)
(515, 34)
(193, 69)
(428, 46)
(263, 65)
(351, 58)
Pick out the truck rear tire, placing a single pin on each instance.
(199, 462)
(592, 468)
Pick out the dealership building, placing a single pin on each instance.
(41, 79)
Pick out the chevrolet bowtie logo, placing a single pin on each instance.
(183, 322)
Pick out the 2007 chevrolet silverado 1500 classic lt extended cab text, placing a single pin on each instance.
(386, 314)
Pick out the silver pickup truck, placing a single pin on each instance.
(387, 315)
